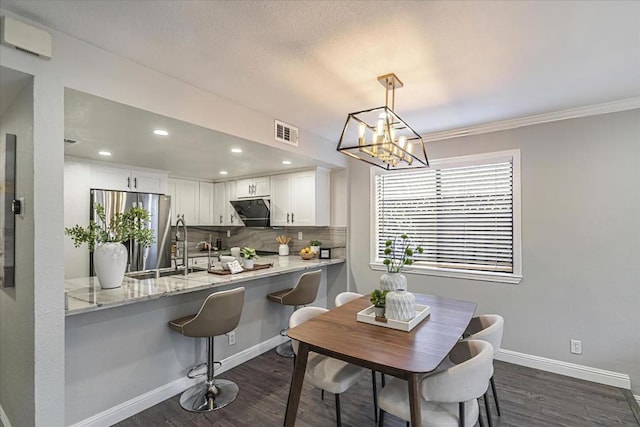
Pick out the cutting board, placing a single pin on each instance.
(255, 267)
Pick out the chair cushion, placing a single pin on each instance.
(177, 324)
(332, 375)
(394, 399)
(277, 296)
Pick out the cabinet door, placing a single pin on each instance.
(219, 203)
(231, 217)
(205, 212)
(171, 191)
(148, 182)
(303, 198)
(280, 208)
(187, 200)
(106, 178)
(262, 186)
(244, 189)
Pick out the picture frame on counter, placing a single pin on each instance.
(325, 253)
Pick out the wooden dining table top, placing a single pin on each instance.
(337, 333)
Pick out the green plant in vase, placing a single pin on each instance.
(378, 299)
(250, 256)
(105, 237)
(398, 253)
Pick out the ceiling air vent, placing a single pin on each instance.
(286, 133)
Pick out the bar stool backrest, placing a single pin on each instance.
(305, 291)
(220, 313)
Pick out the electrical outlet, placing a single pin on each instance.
(299, 235)
(232, 337)
(576, 347)
(228, 233)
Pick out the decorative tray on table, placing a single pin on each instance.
(368, 316)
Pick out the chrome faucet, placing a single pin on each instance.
(185, 257)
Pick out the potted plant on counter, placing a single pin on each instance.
(378, 299)
(250, 256)
(315, 246)
(104, 238)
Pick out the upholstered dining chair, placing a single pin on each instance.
(488, 327)
(323, 372)
(341, 299)
(448, 397)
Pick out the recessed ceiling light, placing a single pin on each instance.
(161, 132)
(286, 162)
(236, 150)
(104, 153)
(223, 172)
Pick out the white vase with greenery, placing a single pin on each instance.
(397, 254)
(105, 237)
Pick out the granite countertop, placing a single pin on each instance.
(85, 295)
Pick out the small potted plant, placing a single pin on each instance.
(378, 299)
(250, 256)
(315, 246)
(104, 238)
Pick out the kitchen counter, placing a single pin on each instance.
(85, 295)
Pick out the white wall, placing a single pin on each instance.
(16, 312)
(78, 65)
(339, 198)
(581, 241)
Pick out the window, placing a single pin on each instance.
(464, 212)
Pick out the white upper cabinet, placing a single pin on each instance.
(301, 199)
(223, 212)
(252, 187)
(185, 200)
(205, 216)
(124, 179)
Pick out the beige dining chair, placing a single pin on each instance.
(489, 328)
(449, 397)
(304, 292)
(323, 372)
(220, 313)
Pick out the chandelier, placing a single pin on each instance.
(378, 136)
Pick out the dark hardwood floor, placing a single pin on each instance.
(528, 397)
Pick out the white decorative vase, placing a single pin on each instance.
(248, 263)
(110, 261)
(400, 305)
(283, 250)
(393, 282)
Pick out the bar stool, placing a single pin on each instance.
(220, 313)
(303, 293)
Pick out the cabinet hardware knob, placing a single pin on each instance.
(291, 217)
(287, 217)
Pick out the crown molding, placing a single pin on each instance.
(572, 113)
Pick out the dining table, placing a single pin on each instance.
(406, 355)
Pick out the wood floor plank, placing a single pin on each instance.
(528, 397)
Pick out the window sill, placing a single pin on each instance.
(456, 274)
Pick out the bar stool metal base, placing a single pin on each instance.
(204, 397)
(285, 350)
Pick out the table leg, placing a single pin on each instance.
(296, 385)
(414, 400)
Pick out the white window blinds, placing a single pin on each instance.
(461, 216)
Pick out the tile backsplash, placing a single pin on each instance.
(264, 239)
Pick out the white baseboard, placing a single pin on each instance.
(573, 370)
(144, 401)
(4, 420)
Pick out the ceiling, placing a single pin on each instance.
(98, 124)
(309, 63)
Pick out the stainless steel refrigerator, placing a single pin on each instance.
(158, 255)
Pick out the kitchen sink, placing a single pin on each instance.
(142, 275)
